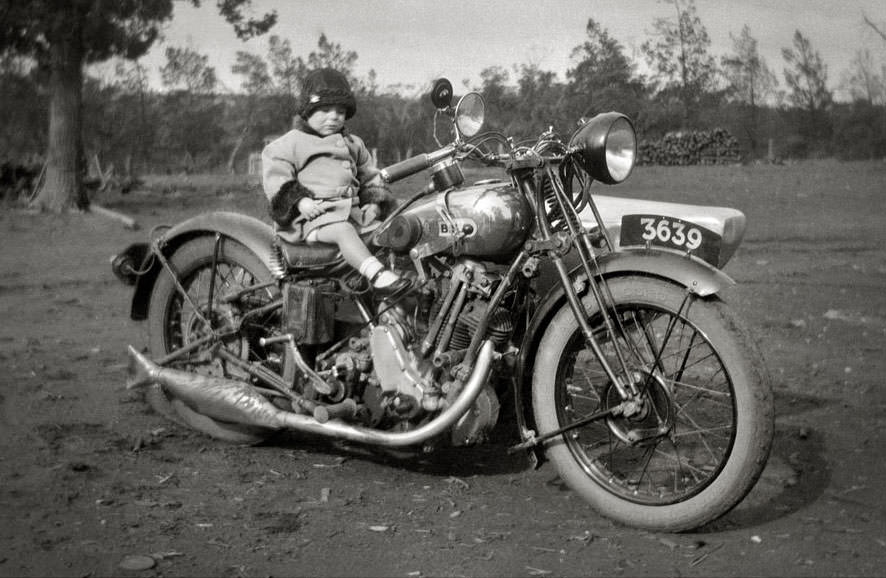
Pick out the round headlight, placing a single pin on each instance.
(470, 112)
(621, 149)
(606, 147)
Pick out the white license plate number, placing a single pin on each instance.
(671, 233)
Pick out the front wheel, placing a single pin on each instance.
(702, 435)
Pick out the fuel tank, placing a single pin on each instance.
(488, 221)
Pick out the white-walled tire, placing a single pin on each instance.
(705, 438)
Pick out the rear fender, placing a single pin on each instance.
(248, 231)
(690, 272)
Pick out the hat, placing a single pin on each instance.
(326, 87)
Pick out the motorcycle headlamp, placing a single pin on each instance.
(606, 147)
(470, 112)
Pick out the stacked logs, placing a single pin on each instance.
(700, 147)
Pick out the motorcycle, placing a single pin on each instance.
(597, 318)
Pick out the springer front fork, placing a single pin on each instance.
(630, 383)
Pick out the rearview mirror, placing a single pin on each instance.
(441, 93)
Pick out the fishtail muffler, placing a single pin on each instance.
(234, 401)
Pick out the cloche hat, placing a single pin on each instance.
(325, 87)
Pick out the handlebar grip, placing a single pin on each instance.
(403, 169)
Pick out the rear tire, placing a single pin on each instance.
(704, 441)
(172, 323)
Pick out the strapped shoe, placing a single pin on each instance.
(396, 288)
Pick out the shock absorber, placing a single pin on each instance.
(276, 262)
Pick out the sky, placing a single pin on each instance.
(410, 43)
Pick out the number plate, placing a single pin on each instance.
(672, 233)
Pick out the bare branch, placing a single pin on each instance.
(874, 26)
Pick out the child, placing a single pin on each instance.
(321, 180)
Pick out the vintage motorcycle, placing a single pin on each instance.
(597, 318)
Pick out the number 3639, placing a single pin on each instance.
(670, 232)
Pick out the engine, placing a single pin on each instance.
(404, 369)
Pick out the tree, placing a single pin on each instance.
(136, 99)
(807, 76)
(500, 100)
(603, 78)
(254, 70)
(23, 107)
(191, 117)
(258, 86)
(679, 56)
(188, 70)
(863, 81)
(288, 70)
(750, 79)
(63, 35)
(539, 100)
(332, 55)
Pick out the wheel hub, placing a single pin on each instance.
(653, 416)
(220, 319)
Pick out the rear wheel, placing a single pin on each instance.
(702, 435)
(175, 322)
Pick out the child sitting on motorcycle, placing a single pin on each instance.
(321, 180)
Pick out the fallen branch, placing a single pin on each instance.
(127, 221)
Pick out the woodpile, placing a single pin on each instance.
(699, 147)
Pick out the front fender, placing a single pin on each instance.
(685, 270)
(254, 234)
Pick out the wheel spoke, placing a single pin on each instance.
(186, 324)
(671, 450)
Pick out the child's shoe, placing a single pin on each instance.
(388, 284)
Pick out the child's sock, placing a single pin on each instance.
(373, 270)
(385, 279)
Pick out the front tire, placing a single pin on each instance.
(174, 323)
(705, 434)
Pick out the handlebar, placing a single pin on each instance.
(403, 169)
(420, 162)
(415, 164)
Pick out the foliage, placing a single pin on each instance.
(749, 78)
(192, 126)
(859, 131)
(750, 81)
(603, 78)
(806, 75)
(23, 107)
(863, 81)
(64, 35)
(679, 55)
(188, 70)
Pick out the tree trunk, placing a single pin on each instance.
(62, 186)
(239, 144)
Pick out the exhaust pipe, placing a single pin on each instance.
(237, 402)
(221, 399)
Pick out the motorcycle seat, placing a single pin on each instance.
(300, 254)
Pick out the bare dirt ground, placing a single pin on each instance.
(92, 483)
